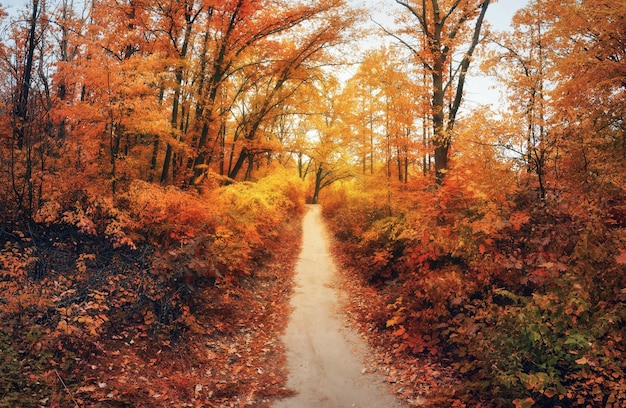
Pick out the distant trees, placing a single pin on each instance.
(383, 108)
(169, 92)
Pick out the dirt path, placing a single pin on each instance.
(325, 357)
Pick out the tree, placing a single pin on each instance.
(440, 30)
(24, 82)
(178, 21)
(379, 103)
(26, 103)
(590, 94)
(325, 140)
(525, 64)
(273, 42)
(295, 64)
(115, 100)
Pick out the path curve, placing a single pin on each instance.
(324, 356)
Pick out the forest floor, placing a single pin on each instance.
(327, 360)
(232, 358)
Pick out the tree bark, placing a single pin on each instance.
(21, 107)
(318, 184)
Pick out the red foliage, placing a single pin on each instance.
(523, 301)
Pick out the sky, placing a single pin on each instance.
(12, 5)
(479, 90)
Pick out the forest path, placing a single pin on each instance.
(325, 356)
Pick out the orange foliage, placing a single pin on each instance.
(522, 293)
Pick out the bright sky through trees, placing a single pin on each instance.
(480, 89)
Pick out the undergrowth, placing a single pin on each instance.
(167, 298)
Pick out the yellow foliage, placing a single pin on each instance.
(217, 232)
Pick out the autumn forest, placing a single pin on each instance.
(157, 156)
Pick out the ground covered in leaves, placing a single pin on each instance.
(418, 380)
(107, 332)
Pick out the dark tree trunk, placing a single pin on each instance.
(21, 106)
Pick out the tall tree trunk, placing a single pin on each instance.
(20, 109)
(190, 17)
(439, 41)
(440, 139)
